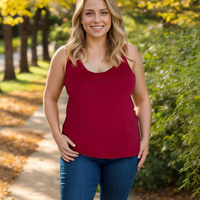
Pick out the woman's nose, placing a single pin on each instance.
(97, 18)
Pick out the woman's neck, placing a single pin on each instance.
(95, 44)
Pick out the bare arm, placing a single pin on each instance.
(52, 92)
(142, 103)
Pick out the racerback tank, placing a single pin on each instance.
(100, 117)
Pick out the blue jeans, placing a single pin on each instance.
(79, 179)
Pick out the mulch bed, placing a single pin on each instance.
(16, 144)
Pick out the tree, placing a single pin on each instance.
(45, 34)
(9, 68)
(45, 5)
(19, 11)
(34, 36)
(11, 12)
(181, 13)
(24, 28)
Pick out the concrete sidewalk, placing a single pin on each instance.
(39, 179)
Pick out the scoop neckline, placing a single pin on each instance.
(97, 72)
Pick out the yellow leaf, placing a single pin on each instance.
(148, 2)
(142, 4)
(5, 118)
(197, 97)
(20, 19)
(187, 5)
(119, 4)
(175, 4)
(52, 9)
(150, 6)
(127, 3)
(159, 14)
(43, 12)
(41, 6)
(168, 18)
(178, 8)
(29, 14)
(158, 4)
(8, 161)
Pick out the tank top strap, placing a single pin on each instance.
(124, 58)
(70, 62)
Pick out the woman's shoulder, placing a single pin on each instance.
(61, 53)
(59, 58)
(133, 52)
(134, 55)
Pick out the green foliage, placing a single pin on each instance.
(60, 34)
(129, 24)
(156, 171)
(171, 61)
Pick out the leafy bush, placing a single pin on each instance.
(171, 62)
(60, 34)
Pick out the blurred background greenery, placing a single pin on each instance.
(166, 34)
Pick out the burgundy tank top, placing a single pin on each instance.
(100, 117)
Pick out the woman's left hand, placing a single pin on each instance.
(144, 148)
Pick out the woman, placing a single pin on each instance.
(103, 74)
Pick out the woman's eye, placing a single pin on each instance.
(89, 13)
(104, 13)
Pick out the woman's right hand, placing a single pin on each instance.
(63, 143)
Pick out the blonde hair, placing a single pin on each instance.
(117, 41)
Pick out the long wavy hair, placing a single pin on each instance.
(117, 41)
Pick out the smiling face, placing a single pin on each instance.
(96, 18)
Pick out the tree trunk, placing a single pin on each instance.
(34, 37)
(45, 35)
(9, 68)
(23, 51)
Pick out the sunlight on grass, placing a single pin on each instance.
(98, 189)
(1, 47)
(27, 81)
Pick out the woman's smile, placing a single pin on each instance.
(97, 28)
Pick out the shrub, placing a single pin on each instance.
(171, 61)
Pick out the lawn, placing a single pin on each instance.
(27, 81)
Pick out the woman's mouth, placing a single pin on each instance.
(97, 28)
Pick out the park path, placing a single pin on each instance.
(39, 179)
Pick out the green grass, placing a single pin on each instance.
(1, 47)
(26, 81)
(98, 189)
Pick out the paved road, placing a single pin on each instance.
(39, 179)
